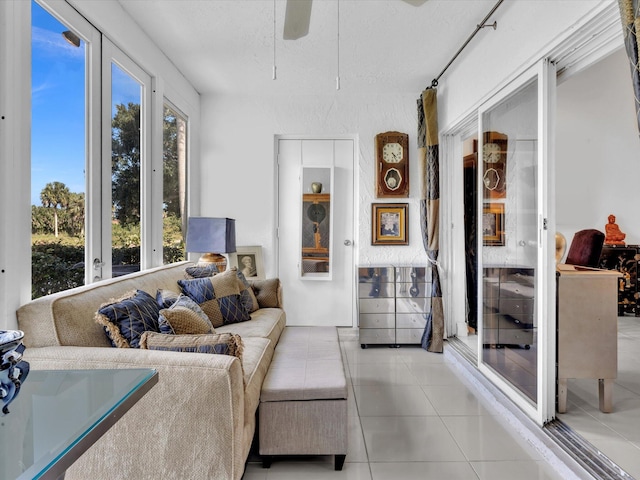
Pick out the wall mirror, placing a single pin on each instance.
(316, 222)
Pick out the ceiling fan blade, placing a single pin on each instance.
(415, 3)
(296, 19)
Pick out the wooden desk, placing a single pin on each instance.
(587, 304)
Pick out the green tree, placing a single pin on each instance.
(170, 184)
(55, 194)
(125, 164)
(75, 215)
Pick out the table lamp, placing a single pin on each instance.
(211, 237)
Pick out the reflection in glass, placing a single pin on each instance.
(508, 314)
(316, 222)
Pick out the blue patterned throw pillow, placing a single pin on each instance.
(201, 271)
(127, 318)
(222, 344)
(184, 317)
(166, 298)
(218, 296)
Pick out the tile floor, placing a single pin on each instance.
(615, 434)
(413, 415)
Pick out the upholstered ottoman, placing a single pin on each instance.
(303, 403)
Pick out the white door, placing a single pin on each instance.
(325, 298)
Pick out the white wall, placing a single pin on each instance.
(526, 31)
(237, 141)
(238, 170)
(598, 150)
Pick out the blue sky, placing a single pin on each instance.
(58, 105)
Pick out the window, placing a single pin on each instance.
(95, 194)
(58, 158)
(174, 201)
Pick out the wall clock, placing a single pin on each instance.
(392, 165)
(494, 165)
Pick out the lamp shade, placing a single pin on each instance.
(214, 235)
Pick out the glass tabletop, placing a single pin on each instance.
(58, 414)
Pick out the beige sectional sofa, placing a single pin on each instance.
(198, 422)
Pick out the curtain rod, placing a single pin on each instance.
(434, 82)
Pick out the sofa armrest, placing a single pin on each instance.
(189, 425)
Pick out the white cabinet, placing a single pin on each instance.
(393, 303)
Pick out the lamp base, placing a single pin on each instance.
(219, 260)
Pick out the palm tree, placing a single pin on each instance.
(52, 195)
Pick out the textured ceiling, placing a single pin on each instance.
(385, 46)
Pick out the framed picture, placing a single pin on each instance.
(248, 260)
(389, 225)
(493, 224)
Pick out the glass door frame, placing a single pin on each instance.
(544, 409)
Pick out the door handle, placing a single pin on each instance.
(347, 243)
(97, 264)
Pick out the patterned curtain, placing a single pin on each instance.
(432, 338)
(629, 14)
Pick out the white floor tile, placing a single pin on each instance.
(422, 471)
(386, 400)
(409, 439)
(382, 374)
(454, 400)
(483, 438)
(316, 469)
(510, 470)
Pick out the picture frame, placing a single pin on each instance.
(248, 260)
(389, 224)
(493, 224)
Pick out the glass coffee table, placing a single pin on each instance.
(59, 414)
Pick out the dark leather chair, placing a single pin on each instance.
(586, 248)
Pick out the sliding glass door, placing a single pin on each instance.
(515, 267)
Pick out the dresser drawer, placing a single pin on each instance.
(380, 290)
(376, 320)
(515, 336)
(413, 305)
(411, 320)
(409, 335)
(376, 305)
(377, 335)
(411, 290)
(490, 336)
(411, 274)
(516, 306)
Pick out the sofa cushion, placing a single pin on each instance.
(125, 319)
(266, 292)
(201, 271)
(223, 344)
(218, 296)
(184, 317)
(166, 298)
(266, 323)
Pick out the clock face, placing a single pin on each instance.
(491, 152)
(392, 153)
